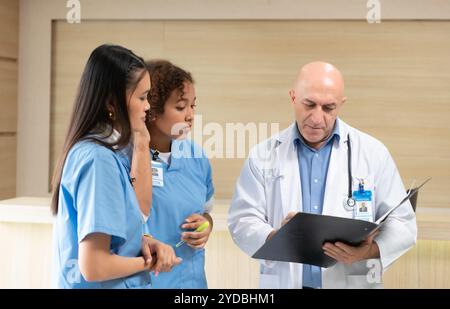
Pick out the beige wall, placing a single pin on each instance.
(35, 53)
(397, 80)
(9, 23)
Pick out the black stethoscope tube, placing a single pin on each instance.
(349, 166)
(350, 201)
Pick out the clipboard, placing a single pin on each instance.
(301, 239)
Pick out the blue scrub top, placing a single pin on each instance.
(96, 196)
(187, 187)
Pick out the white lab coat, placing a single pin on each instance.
(269, 188)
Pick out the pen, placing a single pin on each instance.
(200, 228)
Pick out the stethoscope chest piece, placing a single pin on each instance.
(349, 203)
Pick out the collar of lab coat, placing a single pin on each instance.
(286, 138)
(286, 166)
(300, 139)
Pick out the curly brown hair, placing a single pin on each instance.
(165, 78)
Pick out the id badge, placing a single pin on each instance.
(157, 174)
(363, 206)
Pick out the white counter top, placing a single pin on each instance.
(433, 223)
(37, 210)
(26, 210)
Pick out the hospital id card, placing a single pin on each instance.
(363, 207)
(157, 174)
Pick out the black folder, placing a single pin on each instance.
(301, 239)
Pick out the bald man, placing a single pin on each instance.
(305, 168)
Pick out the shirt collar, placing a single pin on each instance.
(179, 150)
(298, 138)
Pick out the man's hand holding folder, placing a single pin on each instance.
(286, 220)
(341, 252)
(346, 254)
(324, 240)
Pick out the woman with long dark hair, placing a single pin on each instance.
(98, 233)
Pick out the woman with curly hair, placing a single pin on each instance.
(182, 191)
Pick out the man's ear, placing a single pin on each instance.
(292, 95)
(344, 99)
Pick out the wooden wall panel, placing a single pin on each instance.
(7, 166)
(9, 28)
(426, 266)
(397, 75)
(8, 98)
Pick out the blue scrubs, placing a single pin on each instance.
(96, 196)
(187, 187)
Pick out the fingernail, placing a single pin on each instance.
(156, 273)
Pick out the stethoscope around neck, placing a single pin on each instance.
(349, 202)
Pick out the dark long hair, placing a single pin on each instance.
(100, 103)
